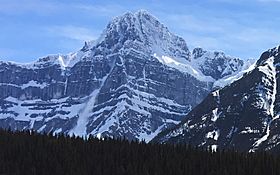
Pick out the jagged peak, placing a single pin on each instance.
(62, 60)
(140, 14)
(143, 31)
(137, 21)
(198, 52)
(219, 54)
(143, 12)
(145, 15)
(274, 52)
(88, 45)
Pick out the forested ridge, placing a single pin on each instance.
(31, 153)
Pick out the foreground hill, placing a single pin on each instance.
(243, 115)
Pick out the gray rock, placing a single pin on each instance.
(115, 86)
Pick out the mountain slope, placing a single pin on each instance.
(243, 115)
(136, 80)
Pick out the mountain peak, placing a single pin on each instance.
(145, 15)
(137, 22)
(138, 15)
(143, 12)
(274, 52)
(198, 52)
(143, 32)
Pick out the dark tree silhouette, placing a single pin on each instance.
(43, 154)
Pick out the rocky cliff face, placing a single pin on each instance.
(136, 80)
(243, 115)
(216, 64)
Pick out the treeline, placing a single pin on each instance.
(35, 154)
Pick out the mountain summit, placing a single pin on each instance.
(136, 80)
(143, 32)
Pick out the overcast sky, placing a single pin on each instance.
(30, 29)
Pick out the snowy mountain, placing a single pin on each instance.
(136, 80)
(243, 115)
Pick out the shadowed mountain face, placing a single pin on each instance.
(243, 115)
(136, 80)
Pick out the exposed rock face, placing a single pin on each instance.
(136, 80)
(216, 64)
(243, 115)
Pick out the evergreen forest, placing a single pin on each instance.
(30, 153)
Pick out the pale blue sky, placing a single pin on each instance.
(35, 28)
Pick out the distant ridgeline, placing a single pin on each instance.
(31, 153)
